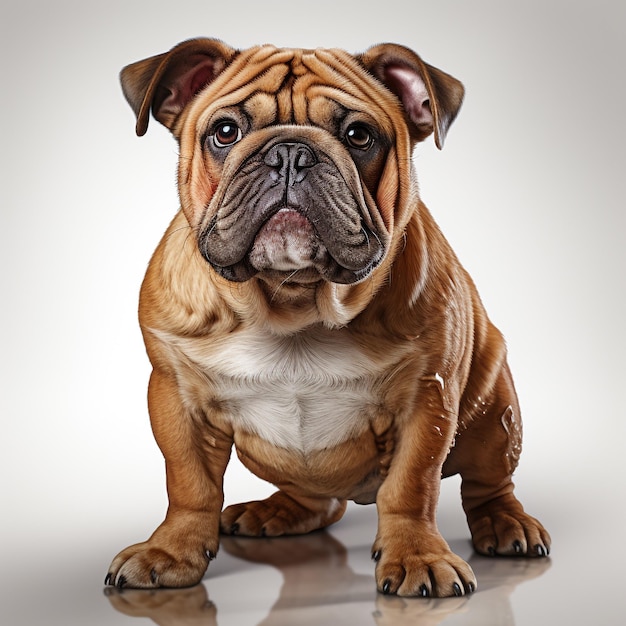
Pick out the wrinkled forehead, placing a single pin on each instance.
(294, 86)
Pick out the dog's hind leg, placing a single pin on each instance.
(281, 514)
(486, 454)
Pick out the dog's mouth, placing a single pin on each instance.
(290, 212)
(288, 244)
(288, 247)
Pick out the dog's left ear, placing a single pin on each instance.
(431, 98)
(166, 83)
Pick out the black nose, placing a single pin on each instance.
(290, 161)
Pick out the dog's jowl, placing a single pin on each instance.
(304, 309)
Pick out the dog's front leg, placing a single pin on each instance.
(413, 559)
(196, 455)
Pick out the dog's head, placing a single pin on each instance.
(294, 164)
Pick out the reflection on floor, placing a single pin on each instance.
(321, 585)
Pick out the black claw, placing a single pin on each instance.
(154, 577)
(376, 556)
(121, 582)
(471, 587)
(457, 590)
(234, 529)
(109, 579)
(387, 587)
(491, 550)
(540, 550)
(263, 532)
(424, 591)
(517, 546)
(210, 555)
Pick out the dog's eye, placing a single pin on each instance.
(359, 136)
(226, 134)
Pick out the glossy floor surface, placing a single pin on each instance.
(327, 578)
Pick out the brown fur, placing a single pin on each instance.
(436, 366)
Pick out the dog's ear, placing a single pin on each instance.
(431, 98)
(166, 83)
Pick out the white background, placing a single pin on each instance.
(529, 190)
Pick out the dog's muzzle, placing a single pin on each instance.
(291, 209)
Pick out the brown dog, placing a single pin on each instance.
(304, 306)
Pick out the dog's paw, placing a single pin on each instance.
(146, 566)
(280, 514)
(501, 527)
(413, 561)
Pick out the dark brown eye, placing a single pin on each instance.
(359, 136)
(226, 134)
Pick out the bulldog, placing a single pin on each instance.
(304, 308)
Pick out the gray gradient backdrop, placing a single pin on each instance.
(529, 190)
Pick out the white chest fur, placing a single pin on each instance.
(305, 392)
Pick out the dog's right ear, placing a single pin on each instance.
(166, 83)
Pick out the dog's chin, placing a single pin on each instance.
(243, 272)
(287, 250)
